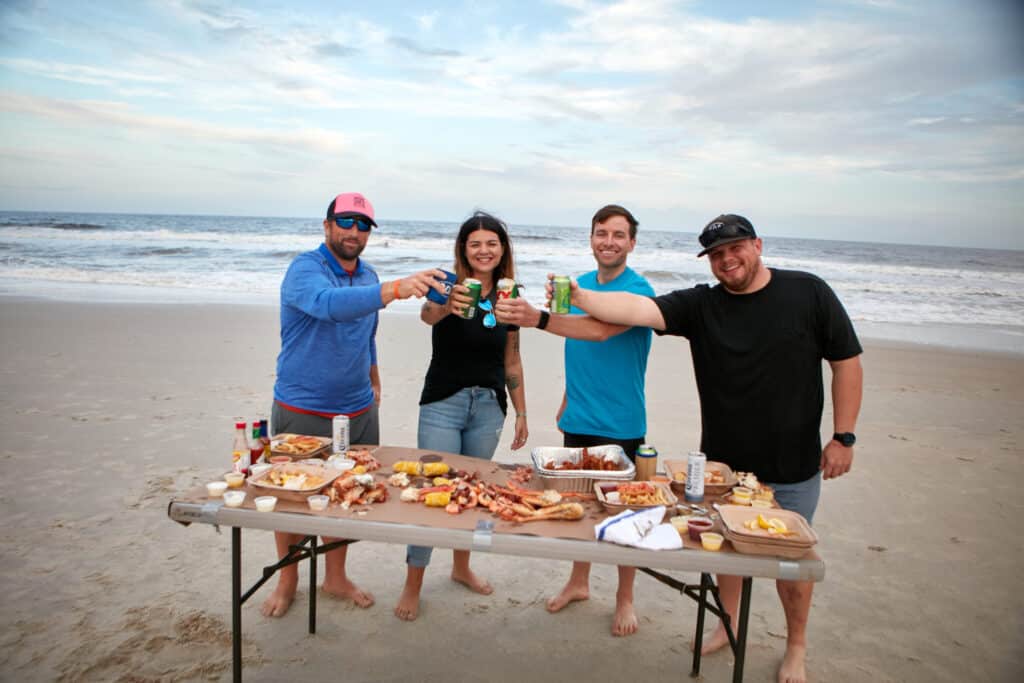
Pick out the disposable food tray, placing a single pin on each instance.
(758, 542)
(676, 471)
(261, 482)
(579, 481)
(603, 488)
(325, 446)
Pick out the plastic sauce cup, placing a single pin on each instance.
(318, 503)
(741, 495)
(709, 540)
(758, 503)
(234, 499)
(215, 489)
(234, 479)
(698, 525)
(266, 503)
(680, 523)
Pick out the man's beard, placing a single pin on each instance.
(347, 253)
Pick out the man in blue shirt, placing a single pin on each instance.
(328, 360)
(605, 366)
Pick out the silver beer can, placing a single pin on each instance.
(695, 465)
(340, 434)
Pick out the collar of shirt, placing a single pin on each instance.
(336, 267)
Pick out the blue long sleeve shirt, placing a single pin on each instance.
(328, 334)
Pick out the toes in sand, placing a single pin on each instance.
(278, 602)
(473, 582)
(346, 590)
(569, 594)
(625, 622)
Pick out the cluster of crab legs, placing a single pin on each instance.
(510, 503)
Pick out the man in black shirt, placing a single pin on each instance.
(757, 340)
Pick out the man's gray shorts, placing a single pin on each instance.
(362, 429)
(800, 497)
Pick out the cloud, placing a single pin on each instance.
(412, 46)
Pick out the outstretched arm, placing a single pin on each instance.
(618, 308)
(520, 312)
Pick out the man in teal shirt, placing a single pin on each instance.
(605, 366)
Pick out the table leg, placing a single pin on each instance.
(741, 629)
(312, 584)
(236, 604)
(698, 636)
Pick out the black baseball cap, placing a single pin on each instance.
(725, 229)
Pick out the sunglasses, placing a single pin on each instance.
(718, 231)
(487, 307)
(346, 223)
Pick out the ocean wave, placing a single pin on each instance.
(161, 251)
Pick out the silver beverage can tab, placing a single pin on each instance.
(695, 465)
(340, 434)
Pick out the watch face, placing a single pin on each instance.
(846, 439)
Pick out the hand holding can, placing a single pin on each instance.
(473, 289)
(561, 294)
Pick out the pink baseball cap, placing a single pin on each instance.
(349, 205)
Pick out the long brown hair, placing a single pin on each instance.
(481, 220)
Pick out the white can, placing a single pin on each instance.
(339, 432)
(695, 465)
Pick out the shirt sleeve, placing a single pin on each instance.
(308, 288)
(838, 338)
(681, 310)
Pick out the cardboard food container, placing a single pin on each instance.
(607, 496)
(760, 541)
(324, 476)
(676, 471)
(299, 446)
(579, 481)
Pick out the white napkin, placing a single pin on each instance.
(640, 529)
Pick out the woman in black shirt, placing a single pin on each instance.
(463, 404)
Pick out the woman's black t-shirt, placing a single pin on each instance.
(467, 354)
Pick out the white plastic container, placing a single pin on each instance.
(234, 499)
(318, 503)
(265, 503)
(216, 489)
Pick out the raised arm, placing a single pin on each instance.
(520, 312)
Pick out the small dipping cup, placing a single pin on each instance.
(696, 526)
(215, 489)
(234, 499)
(318, 503)
(234, 479)
(741, 495)
(265, 503)
(709, 540)
(279, 459)
(680, 523)
(758, 503)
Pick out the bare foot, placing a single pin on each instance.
(346, 590)
(792, 669)
(715, 642)
(473, 582)
(571, 593)
(625, 622)
(280, 600)
(408, 607)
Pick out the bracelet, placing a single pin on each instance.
(518, 415)
(544, 318)
(394, 289)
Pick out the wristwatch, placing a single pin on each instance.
(845, 438)
(543, 322)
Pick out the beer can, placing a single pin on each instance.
(695, 465)
(646, 462)
(507, 288)
(561, 294)
(340, 434)
(475, 287)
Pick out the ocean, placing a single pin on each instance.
(945, 296)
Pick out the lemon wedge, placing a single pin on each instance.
(762, 522)
(777, 525)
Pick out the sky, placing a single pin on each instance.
(877, 120)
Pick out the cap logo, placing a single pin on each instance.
(715, 226)
(359, 201)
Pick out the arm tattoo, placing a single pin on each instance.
(512, 381)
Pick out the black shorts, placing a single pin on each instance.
(570, 440)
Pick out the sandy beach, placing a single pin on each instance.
(109, 409)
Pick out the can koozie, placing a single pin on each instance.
(447, 282)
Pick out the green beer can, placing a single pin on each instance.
(475, 287)
(561, 294)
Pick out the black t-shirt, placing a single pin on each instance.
(467, 354)
(757, 360)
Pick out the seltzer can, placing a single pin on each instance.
(561, 294)
(475, 287)
(695, 465)
(340, 434)
(507, 288)
(646, 462)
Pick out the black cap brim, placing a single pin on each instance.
(355, 214)
(727, 240)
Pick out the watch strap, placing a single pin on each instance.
(544, 318)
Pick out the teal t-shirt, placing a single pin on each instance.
(604, 381)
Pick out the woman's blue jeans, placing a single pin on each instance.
(469, 423)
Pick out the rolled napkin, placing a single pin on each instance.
(640, 529)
